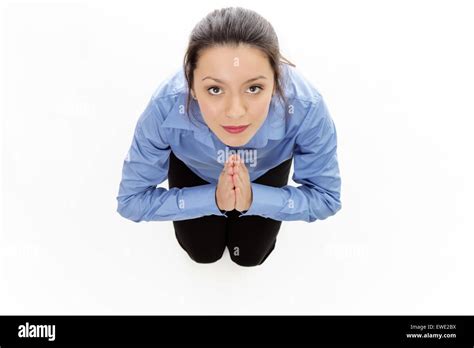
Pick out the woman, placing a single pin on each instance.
(224, 130)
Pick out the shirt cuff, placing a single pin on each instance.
(267, 201)
(201, 199)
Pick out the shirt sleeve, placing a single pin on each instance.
(146, 166)
(315, 168)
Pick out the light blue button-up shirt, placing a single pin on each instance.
(307, 133)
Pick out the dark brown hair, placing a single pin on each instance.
(233, 26)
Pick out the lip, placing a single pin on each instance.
(235, 129)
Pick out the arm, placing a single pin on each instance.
(315, 167)
(145, 167)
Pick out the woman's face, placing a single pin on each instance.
(233, 87)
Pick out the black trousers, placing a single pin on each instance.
(250, 239)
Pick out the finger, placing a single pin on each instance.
(234, 180)
(243, 166)
(238, 169)
(229, 181)
(238, 159)
(224, 169)
(243, 180)
(238, 180)
(229, 168)
(244, 171)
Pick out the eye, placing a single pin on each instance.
(213, 88)
(260, 89)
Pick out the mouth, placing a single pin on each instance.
(235, 129)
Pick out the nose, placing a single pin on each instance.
(236, 108)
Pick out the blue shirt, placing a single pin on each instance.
(307, 134)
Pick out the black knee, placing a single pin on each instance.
(251, 260)
(206, 257)
(247, 261)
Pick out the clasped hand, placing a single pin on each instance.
(234, 190)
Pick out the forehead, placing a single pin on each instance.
(233, 64)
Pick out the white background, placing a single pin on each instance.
(397, 77)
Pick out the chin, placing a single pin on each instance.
(234, 142)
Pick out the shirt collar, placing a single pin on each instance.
(273, 128)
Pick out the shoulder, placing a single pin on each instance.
(298, 87)
(168, 98)
(170, 91)
(306, 100)
(173, 83)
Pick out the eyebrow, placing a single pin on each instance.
(220, 81)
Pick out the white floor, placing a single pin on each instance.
(401, 99)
